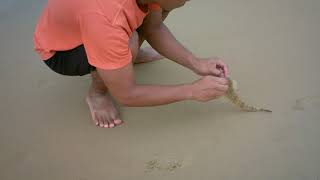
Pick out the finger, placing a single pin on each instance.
(221, 81)
(221, 63)
(215, 72)
(220, 93)
(221, 73)
(226, 71)
(222, 88)
(224, 66)
(215, 94)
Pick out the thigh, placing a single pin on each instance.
(73, 62)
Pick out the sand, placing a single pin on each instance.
(272, 49)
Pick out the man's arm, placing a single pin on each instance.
(161, 39)
(126, 91)
(123, 87)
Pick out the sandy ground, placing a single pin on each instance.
(272, 49)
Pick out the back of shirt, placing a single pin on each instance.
(102, 26)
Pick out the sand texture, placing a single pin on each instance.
(272, 49)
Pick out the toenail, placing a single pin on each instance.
(106, 125)
(117, 121)
(111, 125)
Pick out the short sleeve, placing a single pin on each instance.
(154, 6)
(107, 46)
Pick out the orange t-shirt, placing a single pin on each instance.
(102, 26)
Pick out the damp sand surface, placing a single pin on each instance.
(272, 49)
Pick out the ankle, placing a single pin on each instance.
(97, 90)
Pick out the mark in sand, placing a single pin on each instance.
(169, 166)
(235, 99)
(302, 103)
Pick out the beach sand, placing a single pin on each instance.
(272, 49)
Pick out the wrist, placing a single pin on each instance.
(188, 91)
(198, 66)
(194, 63)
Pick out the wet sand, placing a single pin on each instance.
(272, 48)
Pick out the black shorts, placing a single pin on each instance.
(73, 62)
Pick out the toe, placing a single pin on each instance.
(105, 122)
(101, 121)
(95, 120)
(118, 121)
(111, 125)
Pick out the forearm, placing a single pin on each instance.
(162, 40)
(153, 95)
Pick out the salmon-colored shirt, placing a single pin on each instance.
(102, 26)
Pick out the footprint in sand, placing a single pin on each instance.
(168, 164)
(306, 102)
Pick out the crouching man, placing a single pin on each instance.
(103, 38)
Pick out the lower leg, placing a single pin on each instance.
(103, 110)
(97, 84)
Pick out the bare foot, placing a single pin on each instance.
(147, 54)
(103, 111)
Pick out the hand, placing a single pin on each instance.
(211, 66)
(208, 88)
